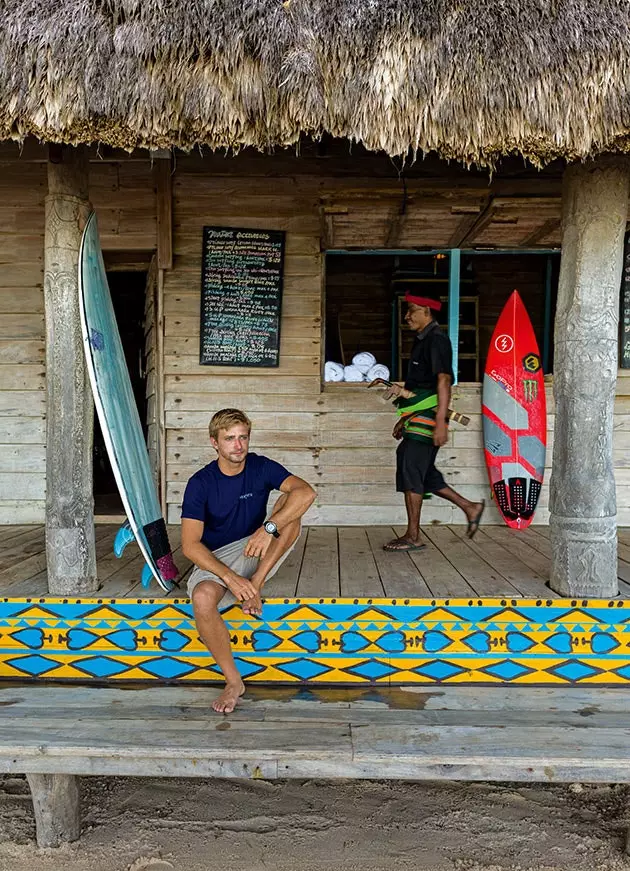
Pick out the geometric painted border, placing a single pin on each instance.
(323, 641)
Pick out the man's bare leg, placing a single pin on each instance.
(411, 537)
(214, 634)
(472, 510)
(277, 548)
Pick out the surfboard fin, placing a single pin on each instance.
(123, 537)
(147, 577)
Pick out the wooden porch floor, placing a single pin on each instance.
(345, 561)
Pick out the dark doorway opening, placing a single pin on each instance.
(128, 297)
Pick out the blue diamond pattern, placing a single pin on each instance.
(439, 670)
(506, 670)
(573, 670)
(371, 669)
(166, 667)
(303, 668)
(247, 668)
(101, 666)
(34, 665)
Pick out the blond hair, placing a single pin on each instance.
(225, 419)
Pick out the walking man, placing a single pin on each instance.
(224, 532)
(423, 405)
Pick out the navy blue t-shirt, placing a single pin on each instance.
(232, 506)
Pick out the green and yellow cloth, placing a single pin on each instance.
(418, 413)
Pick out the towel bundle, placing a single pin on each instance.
(333, 371)
(378, 371)
(364, 361)
(352, 373)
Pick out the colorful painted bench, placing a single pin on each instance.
(407, 689)
(323, 641)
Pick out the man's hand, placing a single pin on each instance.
(258, 544)
(391, 390)
(240, 587)
(397, 432)
(440, 434)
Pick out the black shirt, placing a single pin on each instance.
(431, 355)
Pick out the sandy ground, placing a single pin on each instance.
(201, 825)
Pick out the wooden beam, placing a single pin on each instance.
(470, 215)
(70, 547)
(546, 228)
(471, 228)
(164, 182)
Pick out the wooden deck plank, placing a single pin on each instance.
(285, 581)
(11, 535)
(484, 580)
(358, 572)
(520, 559)
(525, 580)
(400, 576)
(490, 733)
(440, 575)
(319, 575)
(522, 549)
(165, 701)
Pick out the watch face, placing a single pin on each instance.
(270, 526)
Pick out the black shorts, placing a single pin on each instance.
(415, 468)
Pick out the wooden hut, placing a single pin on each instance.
(466, 144)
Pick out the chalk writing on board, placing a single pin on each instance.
(241, 297)
(624, 355)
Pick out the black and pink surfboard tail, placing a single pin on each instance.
(159, 545)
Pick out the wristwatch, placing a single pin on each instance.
(270, 527)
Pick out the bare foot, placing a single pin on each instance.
(228, 699)
(253, 606)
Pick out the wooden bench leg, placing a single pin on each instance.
(57, 808)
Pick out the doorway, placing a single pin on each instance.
(128, 291)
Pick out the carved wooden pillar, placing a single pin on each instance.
(583, 520)
(70, 551)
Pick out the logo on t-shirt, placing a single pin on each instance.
(246, 496)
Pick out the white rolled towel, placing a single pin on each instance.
(333, 371)
(364, 361)
(351, 373)
(378, 371)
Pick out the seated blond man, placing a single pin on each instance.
(225, 533)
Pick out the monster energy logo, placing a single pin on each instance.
(530, 389)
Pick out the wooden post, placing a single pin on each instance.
(583, 522)
(70, 550)
(56, 802)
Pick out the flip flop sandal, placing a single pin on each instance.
(404, 547)
(473, 525)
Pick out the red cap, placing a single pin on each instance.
(434, 304)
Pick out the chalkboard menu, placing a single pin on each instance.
(241, 296)
(624, 350)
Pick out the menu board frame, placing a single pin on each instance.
(275, 309)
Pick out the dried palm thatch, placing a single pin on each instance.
(470, 79)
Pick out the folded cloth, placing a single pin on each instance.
(364, 361)
(333, 371)
(351, 373)
(378, 371)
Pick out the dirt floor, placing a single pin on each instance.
(201, 825)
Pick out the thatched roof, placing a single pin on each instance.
(470, 79)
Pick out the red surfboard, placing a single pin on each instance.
(514, 415)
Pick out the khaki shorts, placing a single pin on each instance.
(232, 555)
